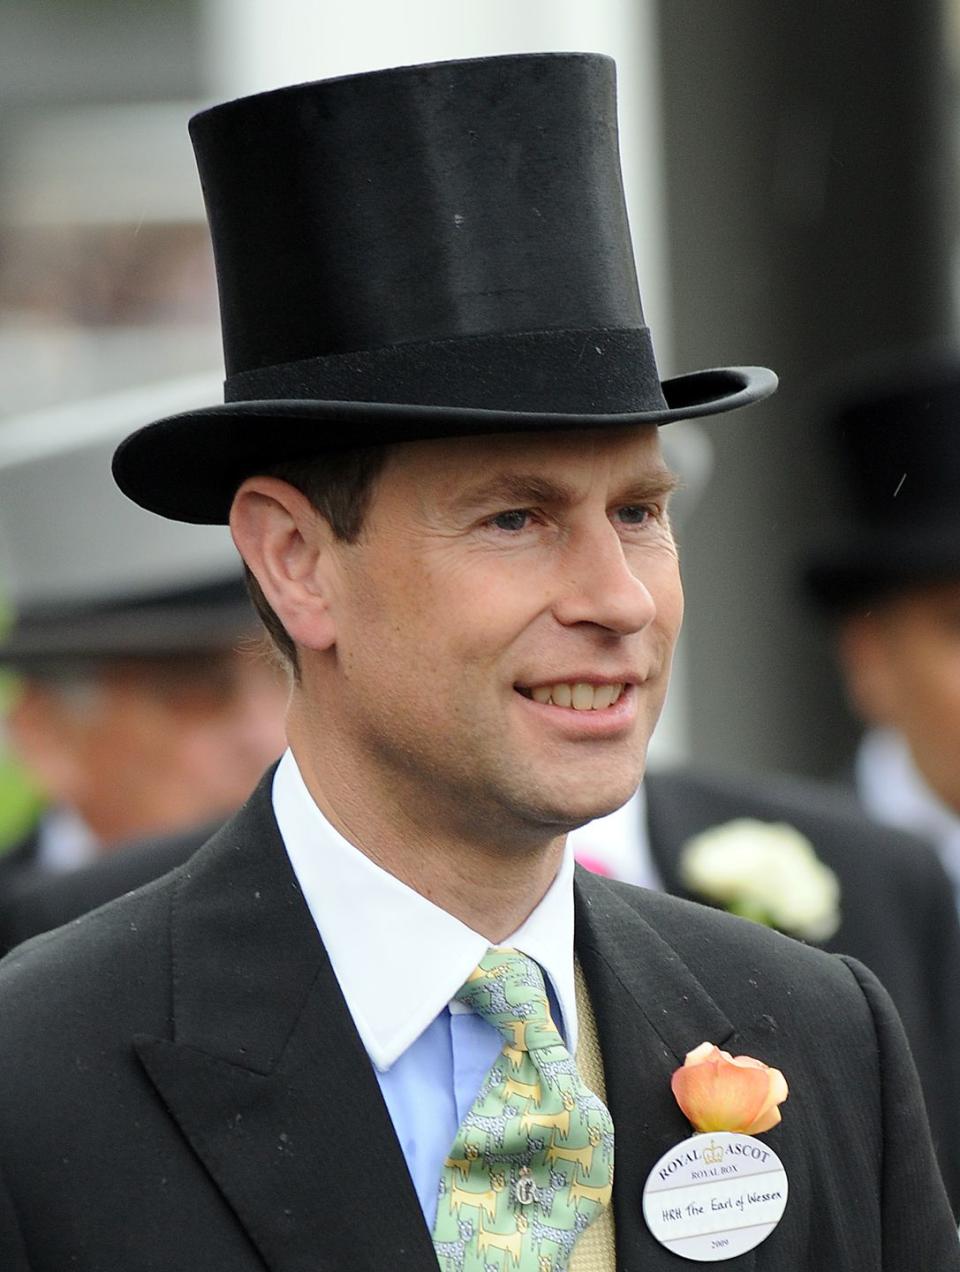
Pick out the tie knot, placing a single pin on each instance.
(508, 990)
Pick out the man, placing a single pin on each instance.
(890, 582)
(140, 707)
(266, 1055)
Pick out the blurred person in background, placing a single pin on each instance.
(132, 728)
(890, 582)
(141, 707)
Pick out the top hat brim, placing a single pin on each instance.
(184, 622)
(869, 565)
(188, 467)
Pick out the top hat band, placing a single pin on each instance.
(569, 372)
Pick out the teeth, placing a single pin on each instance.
(581, 697)
(604, 696)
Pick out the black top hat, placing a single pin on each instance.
(899, 443)
(429, 251)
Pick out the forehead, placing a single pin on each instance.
(449, 467)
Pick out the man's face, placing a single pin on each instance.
(141, 746)
(904, 664)
(505, 624)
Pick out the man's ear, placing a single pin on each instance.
(286, 544)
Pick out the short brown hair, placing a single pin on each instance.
(339, 484)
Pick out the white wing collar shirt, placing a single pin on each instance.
(399, 960)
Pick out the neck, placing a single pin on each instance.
(487, 874)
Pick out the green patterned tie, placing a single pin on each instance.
(532, 1164)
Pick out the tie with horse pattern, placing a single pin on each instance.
(532, 1164)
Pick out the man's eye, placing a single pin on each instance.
(633, 514)
(515, 519)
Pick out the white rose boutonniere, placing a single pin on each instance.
(766, 871)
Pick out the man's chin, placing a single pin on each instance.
(572, 809)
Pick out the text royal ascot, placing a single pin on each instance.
(751, 1150)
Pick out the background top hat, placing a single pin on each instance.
(87, 575)
(898, 440)
(428, 251)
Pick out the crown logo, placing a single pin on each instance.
(713, 1153)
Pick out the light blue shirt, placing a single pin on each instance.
(431, 1088)
(400, 960)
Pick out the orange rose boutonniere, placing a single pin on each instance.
(721, 1092)
(705, 1199)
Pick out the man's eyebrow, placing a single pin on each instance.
(521, 489)
(656, 484)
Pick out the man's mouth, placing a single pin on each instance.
(578, 696)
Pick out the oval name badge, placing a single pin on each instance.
(715, 1196)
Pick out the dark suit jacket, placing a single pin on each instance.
(897, 904)
(183, 1088)
(18, 862)
(36, 901)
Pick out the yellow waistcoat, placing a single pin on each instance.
(596, 1249)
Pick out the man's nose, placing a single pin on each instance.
(600, 586)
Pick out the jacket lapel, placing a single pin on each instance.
(265, 1073)
(650, 1012)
